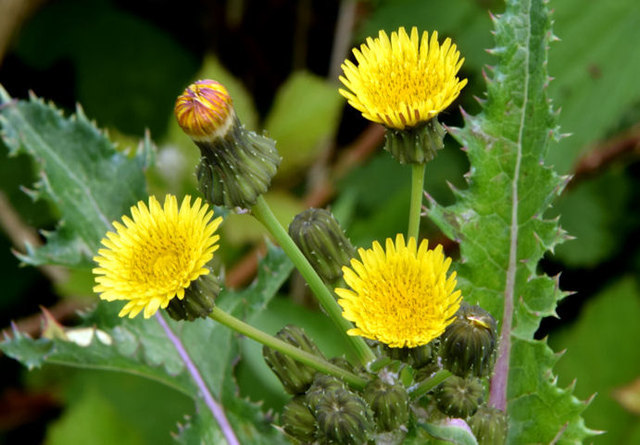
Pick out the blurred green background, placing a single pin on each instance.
(126, 61)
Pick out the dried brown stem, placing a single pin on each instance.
(602, 155)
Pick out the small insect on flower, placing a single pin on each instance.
(400, 296)
(156, 255)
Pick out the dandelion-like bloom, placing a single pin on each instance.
(403, 81)
(400, 296)
(155, 255)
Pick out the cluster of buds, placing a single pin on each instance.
(324, 410)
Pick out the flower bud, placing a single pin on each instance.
(199, 299)
(458, 397)
(343, 418)
(298, 421)
(489, 425)
(389, 403)
(323, 242)
(296, 377)
(322, 384)
(236, 164)
(421, 356)
(469, 342)
(415, 145)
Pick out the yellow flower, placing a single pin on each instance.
(402, 296)
(155, 256)
(403, 81)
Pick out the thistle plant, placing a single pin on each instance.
(437, 348)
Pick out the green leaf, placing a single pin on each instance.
(305, 111)
(81, 173)
(596, 77)
(499, 222)
(141, 347)
(122, 354)
(455, 434)
(601, 357)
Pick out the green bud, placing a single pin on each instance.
(322, 384)
(421, 356)
(389, 403)
(237, 165)
(489, 425)
(343, 418)
(469, 342)
(199, 299)
(415, 145)
(323, 242)
(458, 397)
(236, 169)
(296, 377)
(298, 421)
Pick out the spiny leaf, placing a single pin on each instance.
(141, 347)
(499, 222)
(80, 172)
(123, 354)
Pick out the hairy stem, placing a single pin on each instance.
(417, 391)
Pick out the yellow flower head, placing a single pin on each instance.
(400, 296)
(403, 81)
(155, 256)
(204, 110)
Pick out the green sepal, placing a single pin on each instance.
(235, 169)
(199, 299)
(415, 145)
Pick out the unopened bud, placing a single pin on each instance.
(199, 299)
(296, 377)
(458, 397)
(469, 342)
(323, 242)
(489, 425)
(322, 384)
(343, 418)
(389, 403)
(421, 356)
(298, 421)
(237, 165)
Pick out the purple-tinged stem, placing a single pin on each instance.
(214, 407)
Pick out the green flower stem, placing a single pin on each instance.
(417, 189)
(427, 385)
(315, 362)
(263, 213)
